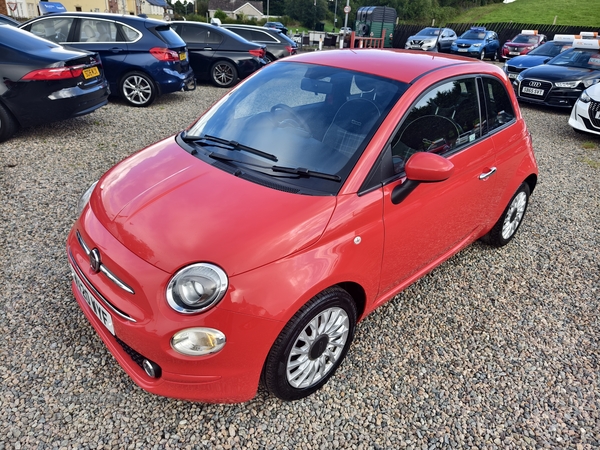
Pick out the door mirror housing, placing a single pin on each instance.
(422, 167)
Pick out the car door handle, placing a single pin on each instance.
(116, 49)
(486, 175)
(208, 49)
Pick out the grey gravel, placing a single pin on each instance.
(494, 349)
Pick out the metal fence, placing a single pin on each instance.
(505, 30)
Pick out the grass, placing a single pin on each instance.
(589, 145)
(567, 12)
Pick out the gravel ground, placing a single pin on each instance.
(494, 349)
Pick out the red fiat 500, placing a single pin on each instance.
(253, 242)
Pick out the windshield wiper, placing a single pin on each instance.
(205, 139)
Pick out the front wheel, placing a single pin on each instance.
(311, 346)
(8, 124)
(138, 89)
(223, 74)
(510, 220)
(482, 54)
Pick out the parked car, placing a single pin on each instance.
(585, 115)
(142, 58)
(345, 30)
(430, 38)
(43, 82)
(539, 55)
(7, 20)
(522, 43)
(315, 191)
(561, 81)
(219, 55)
(278, 25)
(477, 42)
(278, 45)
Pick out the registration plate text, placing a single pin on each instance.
(99, 310)
(463, 49)
(182, 56)
(91, 73)
(534, 91)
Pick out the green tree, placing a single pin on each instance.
(220, 15)
(307, 12)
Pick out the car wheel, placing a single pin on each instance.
(311, 346)
(138, 89)
(269, 58)
(223, 74)
(495, 56)
(510, 220)
(482, 54)
(8, 124)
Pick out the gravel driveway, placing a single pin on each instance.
(494, 349)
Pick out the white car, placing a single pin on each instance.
(585, 115)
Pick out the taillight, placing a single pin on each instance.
(289, 49)
(54, 73)
(258, 52)
(164, 54)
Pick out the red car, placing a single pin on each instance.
(252, 243)
(522, 43)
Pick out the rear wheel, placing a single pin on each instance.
(510, 220)
(8, 124)
(311, 346)
(269, 58)
(138, 89)
(223, 74)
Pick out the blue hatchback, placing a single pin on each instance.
(477, 42)
(142, 58)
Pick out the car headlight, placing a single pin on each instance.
(584, 97)
(476, 45)
(588, 83)
(198, 341)
(85, 198)
(567, 84)
(196, 288)
(519, 78)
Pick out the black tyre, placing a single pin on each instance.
(223, 74)
(138, 89)
(482, 54)
(510, 220)
(8, 124)
(311, 346)
(269, 58)
(495, 56)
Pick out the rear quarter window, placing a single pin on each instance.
(169, 36)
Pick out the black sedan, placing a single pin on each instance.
(42, 82)
(219, 55)
(278, 44)
(561, 81)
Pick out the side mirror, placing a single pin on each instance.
(422, 167)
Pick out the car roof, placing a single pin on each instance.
(401, 65)
(108, 16)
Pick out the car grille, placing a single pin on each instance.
(535, 84)
(593, 109)
(135, 356)
(416, 42)
(463, 45)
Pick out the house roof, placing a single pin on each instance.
(233, 5)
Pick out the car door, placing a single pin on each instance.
(437, 219)
(202, 44)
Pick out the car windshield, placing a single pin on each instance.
(429, 32)
(312, 119)
(474, 35)
(550, 49)
(525, 39)
(578, 57)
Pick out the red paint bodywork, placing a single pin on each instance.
(162, 209)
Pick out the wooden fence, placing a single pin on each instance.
(505, 30)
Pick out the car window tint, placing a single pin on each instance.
(92, 30)
(498, 105)
(130, 34)
(169, 35)
(261, 36)
(445, 118)
(54, 29)
(246, 34)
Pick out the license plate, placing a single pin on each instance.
(91, 73)
(463, 49)
(514, 53)
(528, 90)
(415, 46)
(94, 304)
(512, 75)
(182, 56)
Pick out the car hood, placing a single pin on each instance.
(518, 45)
(528, 61)
(553, 73)
(172, 209)
(468, 41)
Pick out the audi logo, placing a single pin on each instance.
(535, 84)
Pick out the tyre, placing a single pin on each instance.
(311, 346)
(223, 74)
(269, 58)
(495, 56)
(510, 220)
(138, 89)
(8, 124)
(482, 54)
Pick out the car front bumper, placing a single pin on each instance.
(586, 117)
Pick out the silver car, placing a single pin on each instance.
(432, 39)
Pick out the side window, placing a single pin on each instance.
(444, 119)
(214, 37)
(498, 105)
(55, 29)
(246, 34)
(261, 36)
(192, 34)
(92, 30)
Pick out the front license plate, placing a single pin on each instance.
(514, 53)
(94, 304)
(91, 73)
(528, 90)
(463, 49)
(182, 56)
(512, 75)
